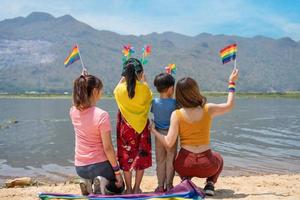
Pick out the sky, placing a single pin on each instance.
(246, 18)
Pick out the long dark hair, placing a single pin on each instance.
(82, 90)
(131, 69)
(188, 93)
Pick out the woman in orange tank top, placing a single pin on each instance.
(192, 123)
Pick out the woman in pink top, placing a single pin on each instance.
(95, 159)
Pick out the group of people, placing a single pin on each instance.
(186, 118)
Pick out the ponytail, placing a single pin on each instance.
(83, 89)
(132, 67)
(130, 80)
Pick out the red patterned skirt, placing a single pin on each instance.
(134, 149)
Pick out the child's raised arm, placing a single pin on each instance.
(220, 109)
(143, 77)
(121, 80)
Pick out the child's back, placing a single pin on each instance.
(133, 97)
(162, 109)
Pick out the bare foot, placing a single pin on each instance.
(137, 191)
(128, 191)
(159, 189)
(169, 187)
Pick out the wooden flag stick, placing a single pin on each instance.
(234, 63)
(83, 68)
(235, 59)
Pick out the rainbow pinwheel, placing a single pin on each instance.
(127, 51)
(146, 51)
(171, 69)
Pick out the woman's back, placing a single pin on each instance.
(192, 115)
(194, 128)
(88, 125)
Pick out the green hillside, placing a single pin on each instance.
(32, 51)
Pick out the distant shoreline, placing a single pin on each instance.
(294, 94)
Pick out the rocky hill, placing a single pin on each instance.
(32, 51)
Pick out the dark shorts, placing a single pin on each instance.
(103, 169)
(134, 149)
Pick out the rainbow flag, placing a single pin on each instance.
(228, 53)
(74, 56)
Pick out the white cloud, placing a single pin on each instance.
(11, 9)
(288, 28)
(118, 24)
(190, 20)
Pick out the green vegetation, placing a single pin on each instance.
(35, 96)
(294, 94)
(269, 94)
(43, 96)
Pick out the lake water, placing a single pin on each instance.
(259, 136)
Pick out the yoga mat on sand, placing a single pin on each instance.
(183, 191)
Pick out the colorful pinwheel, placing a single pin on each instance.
(127, 51)
(171, 69)
(146, 51)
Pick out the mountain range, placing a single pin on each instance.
(33, 49)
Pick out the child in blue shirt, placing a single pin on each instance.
(162, 109)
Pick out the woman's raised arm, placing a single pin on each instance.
(122, 80)
(220, 109)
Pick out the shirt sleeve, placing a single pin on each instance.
(71, 112)
(104, 123)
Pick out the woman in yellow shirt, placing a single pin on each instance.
(133, 97)
(192, 123)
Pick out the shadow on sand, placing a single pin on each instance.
(226, 193)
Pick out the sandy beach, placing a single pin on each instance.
(242, 187)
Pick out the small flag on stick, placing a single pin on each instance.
(228, 53)
(73, 56)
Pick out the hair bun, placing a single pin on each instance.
(132, 63)
(82, 76)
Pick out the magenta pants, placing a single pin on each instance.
(207, 164)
